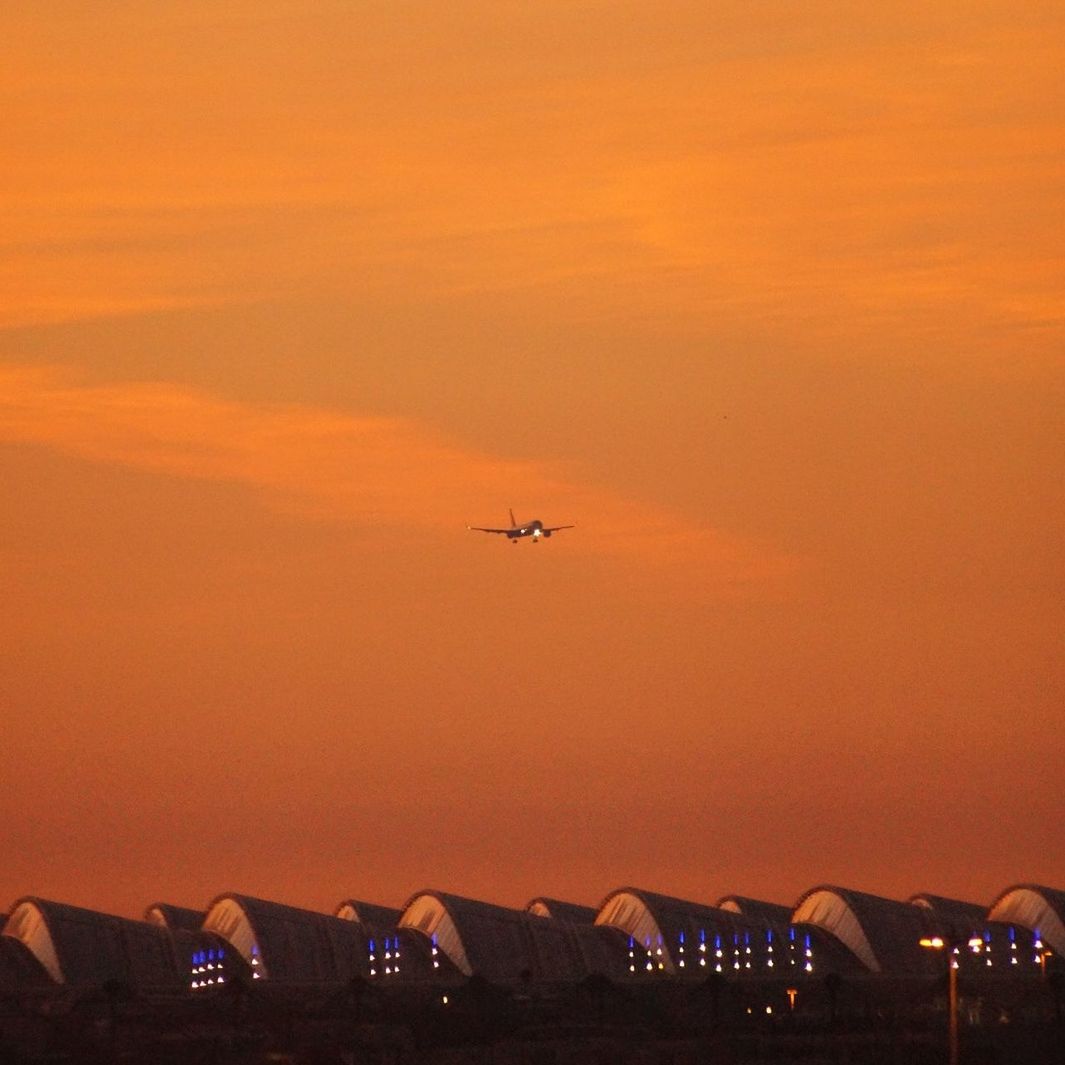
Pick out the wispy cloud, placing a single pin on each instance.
(321, 464)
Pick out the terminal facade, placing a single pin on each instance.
(441, 939)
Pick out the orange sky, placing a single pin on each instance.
(769, 299)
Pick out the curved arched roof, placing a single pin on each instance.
(1040, 909)
(284, 943)
(80, 947)
(658, 921)
(376, 920)
(772, 913)
(570, 912)
(504, 945)
(430, 913)
(952, 918)
(882, 933)
(174, 917)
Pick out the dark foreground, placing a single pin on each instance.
(1017, 1023)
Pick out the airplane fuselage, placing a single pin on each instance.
(535, 529)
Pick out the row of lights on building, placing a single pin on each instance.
(207, 968)
(982, 946)
(388, 957)
(208, 965)
(739, 956)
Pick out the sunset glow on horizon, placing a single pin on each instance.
(767, 300)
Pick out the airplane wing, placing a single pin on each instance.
(477, 528)
(555, 528)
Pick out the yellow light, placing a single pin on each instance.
(935, 943)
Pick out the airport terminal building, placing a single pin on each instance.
(438, 939)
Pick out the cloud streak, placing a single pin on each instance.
(378, 472)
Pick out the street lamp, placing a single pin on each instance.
(939, 943)
(1041, 955)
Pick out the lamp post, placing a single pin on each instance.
(951, 947)
(1042, 953)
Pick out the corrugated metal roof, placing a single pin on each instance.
(83, 947)
(658, 922)
(950, 918)
(506, 945)
(1033, 906)
(174, 917)
(289, 945)
(772, 913)
(571, 912)
(883, 934)
(377, 920)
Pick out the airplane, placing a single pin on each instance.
(534, 529)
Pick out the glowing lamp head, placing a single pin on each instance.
(934, 942)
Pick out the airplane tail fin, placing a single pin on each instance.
(513, 523)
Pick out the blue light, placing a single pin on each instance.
(221, 953)
(791, 933)
(702, 935)
(682, 937)
(632, 943)
(769, 935)
(210, 954)
(1013, 934)
(806, 940)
